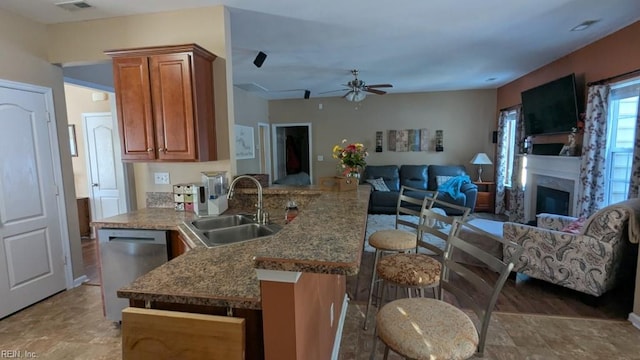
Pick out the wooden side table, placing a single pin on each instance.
(486, 196)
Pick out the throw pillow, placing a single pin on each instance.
(441, 179)
(575, 227)
(378, 184)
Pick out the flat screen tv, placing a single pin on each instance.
(551, 107)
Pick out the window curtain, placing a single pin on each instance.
(634, 184)
(502, 152)
(516, 194)
(594, 150)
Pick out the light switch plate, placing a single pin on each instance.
(161, 178)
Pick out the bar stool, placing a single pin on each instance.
(421, 270)
(398, 240)
(434, 329)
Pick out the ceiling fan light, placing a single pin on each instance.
(355, 95)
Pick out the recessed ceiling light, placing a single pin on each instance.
(584, 25)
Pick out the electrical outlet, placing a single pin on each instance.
(161, 178)
(320, 158)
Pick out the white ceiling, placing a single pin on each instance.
(415, 45)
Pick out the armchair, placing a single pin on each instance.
(590, 261)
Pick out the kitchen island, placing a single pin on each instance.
(292, 283)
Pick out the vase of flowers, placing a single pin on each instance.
(351, 158)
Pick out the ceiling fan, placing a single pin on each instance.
(357, 89)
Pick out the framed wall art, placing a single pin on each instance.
(245, 145)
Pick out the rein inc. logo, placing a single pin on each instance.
(17, 354)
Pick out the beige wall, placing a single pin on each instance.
(466, 117)
(249, 110)
(24, 59)
(79, 101)
(84, 42)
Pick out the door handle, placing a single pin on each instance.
(95, 184)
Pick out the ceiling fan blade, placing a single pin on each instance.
(326, 92)
(380, 85)
(375, 91)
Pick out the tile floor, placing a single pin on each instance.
(70, 325)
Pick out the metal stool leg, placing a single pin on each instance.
(373, 280)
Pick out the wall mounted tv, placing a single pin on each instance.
(551, 107)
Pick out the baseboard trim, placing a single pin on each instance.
(635, 319)
(79, 281)
(338, 338)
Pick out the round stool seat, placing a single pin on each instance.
(409, 269)
(394, 240)
(424, 328)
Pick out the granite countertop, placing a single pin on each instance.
(326, 237)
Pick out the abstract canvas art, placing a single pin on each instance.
(408, 140)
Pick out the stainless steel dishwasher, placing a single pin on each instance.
(125, 255)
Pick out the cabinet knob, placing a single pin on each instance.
(163, 149)
(94, 184)
(149, 149)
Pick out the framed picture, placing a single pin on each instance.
(245, 146)
(73, 145)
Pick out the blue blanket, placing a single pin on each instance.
(453, 185)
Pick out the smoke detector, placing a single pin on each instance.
(73, 5)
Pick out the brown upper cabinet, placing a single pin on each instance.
(164, 97)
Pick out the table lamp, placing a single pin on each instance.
(480, 159)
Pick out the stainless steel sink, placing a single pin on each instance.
(219, 222)
(237, 233)
(228, 229)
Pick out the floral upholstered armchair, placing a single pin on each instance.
(590, 260)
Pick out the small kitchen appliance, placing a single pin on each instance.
(216, 186)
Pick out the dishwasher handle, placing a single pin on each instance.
(134, 240)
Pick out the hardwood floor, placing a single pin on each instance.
(526, 295)
(90, 259)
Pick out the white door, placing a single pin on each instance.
(105, 168)
(265, 149)
(31, 250)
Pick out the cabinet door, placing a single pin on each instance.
(133, 100)
(172, 94)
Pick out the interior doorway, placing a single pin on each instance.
(105, 171)
(292, 150)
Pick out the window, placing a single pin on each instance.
(510, 146)
(623, 112)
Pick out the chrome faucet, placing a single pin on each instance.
(261, 217)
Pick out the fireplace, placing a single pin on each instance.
(552, 201)
(552, 185)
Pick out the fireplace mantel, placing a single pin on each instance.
(562, 167)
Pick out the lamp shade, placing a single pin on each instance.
(481, 159)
